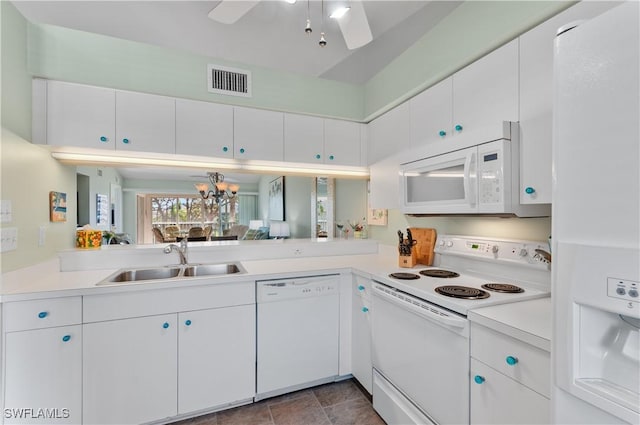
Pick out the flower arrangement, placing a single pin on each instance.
(358, 228)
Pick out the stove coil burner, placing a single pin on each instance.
(503, 287)
(438, 273)
(462, 292)
(404, 276)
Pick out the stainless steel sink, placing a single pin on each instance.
(176, 272)
(146, 274)
(211, 269)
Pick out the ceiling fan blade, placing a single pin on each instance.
(355, 26)
(229, 11)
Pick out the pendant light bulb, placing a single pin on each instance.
(322, 41)
(308, 29)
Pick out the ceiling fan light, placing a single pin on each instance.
(202, 187)
(322, 41)
(339, 12)
(308, 29)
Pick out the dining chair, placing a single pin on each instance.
(196, 232)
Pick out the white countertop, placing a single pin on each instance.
(528, 321)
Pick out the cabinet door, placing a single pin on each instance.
(389, 133)
(258, 134)
(217, 356)
(486, 92)
(497, 399)
(431, 114)
(145, 122)
(341, 142)
(303, 138)
(80, 115)
(204, 129)
(43, 370)
(536, 100)
(130, 370)
(362, 368)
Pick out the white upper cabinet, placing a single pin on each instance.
(536, 100)
(486, 92)
(432, 114)
(342, 142)
(204, 128)
(389, 133)
(145, 122)
(259, 134)
(303, 138)
(76, 115)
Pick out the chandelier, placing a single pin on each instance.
(220, 191)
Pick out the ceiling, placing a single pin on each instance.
(270, 35)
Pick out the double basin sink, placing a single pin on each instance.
(172, 272)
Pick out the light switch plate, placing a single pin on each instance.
(5, 211)
(8, 239)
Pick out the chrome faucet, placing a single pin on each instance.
(182, 250)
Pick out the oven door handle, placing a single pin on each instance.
(425, 309)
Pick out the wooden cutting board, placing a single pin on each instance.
(426, 241)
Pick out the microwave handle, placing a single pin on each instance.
(470, 197)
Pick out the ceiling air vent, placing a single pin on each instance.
(229, 81)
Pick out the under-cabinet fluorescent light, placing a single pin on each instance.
(115, 160)
(291, 1)
(339, 12)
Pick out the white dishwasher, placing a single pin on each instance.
(298, 331)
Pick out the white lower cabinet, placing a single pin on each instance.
(130, 370)
(361, 364)
(216, 357)
(509, 380)
(43, 376)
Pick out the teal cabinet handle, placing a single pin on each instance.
(331, 157)
(188, 323)
(43, 314)
(511, 361)
(529, 190)
(365, 309)
(478, 379)
(103, 139)
(165, 325)
(125, 141)
(360, 288)
(225, 149)
(241, 150)
(66, 338)
(442, 133)
(458, 127)
(318, 156)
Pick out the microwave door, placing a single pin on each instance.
(444, 184)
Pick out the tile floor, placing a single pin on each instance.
(340, 403)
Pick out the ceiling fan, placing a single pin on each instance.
(353, 24)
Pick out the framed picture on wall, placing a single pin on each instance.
(276, 199)
(57, 206)
(377, 217)
(102, 210)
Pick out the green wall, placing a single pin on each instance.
(82, 57)
(27, 172)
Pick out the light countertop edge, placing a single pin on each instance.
(528, 321)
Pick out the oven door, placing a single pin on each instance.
(423, 351)
(443, 184)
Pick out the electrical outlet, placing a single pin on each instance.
(5, 211)
(42, 235)
(8, 239)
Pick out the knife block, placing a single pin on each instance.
(408, 260)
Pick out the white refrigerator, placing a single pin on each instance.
(596, 221)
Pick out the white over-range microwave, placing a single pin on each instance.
(470, 178)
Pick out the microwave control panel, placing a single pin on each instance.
(490, 172)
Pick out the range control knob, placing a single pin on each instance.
(449, 244)
(523, 252)
(441, 242)
(495, 249)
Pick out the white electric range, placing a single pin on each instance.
(420, 329)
